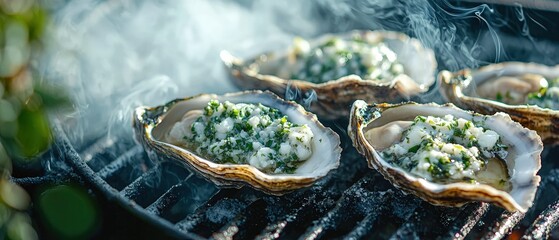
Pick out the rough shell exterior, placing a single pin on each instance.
(334, 98)
(150, 124)
(520, 197)
(457, 88)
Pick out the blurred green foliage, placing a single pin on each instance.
(68, 212)
(14, 223)
(24, 127)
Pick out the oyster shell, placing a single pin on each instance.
(460, 88)
(522, 161)
(268, 72)
(152, 127)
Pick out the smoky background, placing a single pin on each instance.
(113, 56)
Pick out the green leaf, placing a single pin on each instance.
(52, 96)
(68, 211)
(13, 195)
(5, 162)
(33, 135)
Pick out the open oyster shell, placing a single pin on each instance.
(334, 97)
(459, 88)
(151, 126)
(522, 161)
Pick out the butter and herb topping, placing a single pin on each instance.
(445, 149)
(338, 58)
(249, 134)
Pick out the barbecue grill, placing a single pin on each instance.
(352, 202)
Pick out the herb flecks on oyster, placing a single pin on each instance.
(547, 96)
(503, 165)
(337, 58)
(446, 150)
(409, 66)
(528, 92)
(532, 89)
(242, 133)
(153, 127)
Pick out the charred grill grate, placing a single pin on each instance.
(351, 202)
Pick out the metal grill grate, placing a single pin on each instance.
(351, 202)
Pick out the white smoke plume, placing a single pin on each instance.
(113, 56)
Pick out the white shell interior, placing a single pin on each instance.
(520, 160)
(326, 149)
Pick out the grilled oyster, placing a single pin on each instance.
(170, 130)
(449, 173)
(525, 91)
(411, 65)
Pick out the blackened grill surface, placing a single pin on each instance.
(353, 202)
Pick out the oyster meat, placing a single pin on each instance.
(376, 66)
(513, 90)
(528, 92)
(448, 156)
(249, 138)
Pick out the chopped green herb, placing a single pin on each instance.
(546, 97)
(430, 149)
(249, 134)
(341, 57)
(414, 148)
(499, 97)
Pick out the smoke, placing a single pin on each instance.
(305, 98)
(113, 56)
(448, 29)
